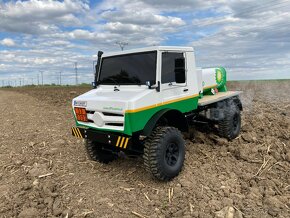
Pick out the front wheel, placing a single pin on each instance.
(96, 152)
(164, 153)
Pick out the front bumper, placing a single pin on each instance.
(118, 141)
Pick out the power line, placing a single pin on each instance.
(76, 71)
(261, 7)
(254, 11)
(41, 71)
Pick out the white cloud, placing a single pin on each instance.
(181, 5)
(38, 16)
(247, 37)
(125, 22)
(225, 20)
(30, 10)
(7, 42)
(250, 39)
(145, 17)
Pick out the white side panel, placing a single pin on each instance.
(192, 78)
(147, 98)
(199, 80)
(208, 77)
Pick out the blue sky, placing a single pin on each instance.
(250, 38)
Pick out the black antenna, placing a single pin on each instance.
(100, 53)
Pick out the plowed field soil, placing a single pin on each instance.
(44, 171)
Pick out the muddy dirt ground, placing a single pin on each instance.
(44, 171)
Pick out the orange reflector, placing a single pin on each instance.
(81, 114)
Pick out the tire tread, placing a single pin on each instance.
(151, 150)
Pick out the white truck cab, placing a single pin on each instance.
(152, 93)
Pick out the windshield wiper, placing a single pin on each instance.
(111, 79)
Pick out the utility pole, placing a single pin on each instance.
(76, 69)
(122, 44)
(38, 79)
(60, 78)
(31, 81)
(41, 71)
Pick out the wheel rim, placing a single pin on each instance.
(172, 153)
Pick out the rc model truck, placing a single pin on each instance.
(144, 99)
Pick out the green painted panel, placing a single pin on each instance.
(136, 121)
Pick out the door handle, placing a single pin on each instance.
(185, 90)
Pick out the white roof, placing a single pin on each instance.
(153, 48)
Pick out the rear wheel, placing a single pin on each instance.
(164, 153)
(96, 152)
(230, 125)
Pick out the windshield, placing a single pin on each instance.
(129, 69)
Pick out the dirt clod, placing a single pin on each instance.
(287, 156)
(29, 213)
(245, 177)
(226, 212)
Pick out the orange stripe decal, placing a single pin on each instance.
(121, 145)
(160, 104)
(117, 144)
(126, 142)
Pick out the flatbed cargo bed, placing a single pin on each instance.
(209, 99)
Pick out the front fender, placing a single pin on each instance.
(175, 118)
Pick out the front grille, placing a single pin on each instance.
(112, 114)
(106, 119)
(115, 124)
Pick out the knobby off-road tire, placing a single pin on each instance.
(96, 153)
(230, 125)
(164, 153)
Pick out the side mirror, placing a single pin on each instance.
(179, 70)
(148, 83)
(94, 84)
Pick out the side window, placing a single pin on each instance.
(168, 66)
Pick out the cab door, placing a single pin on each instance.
(173, 77)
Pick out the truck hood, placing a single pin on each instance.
(105, 99)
